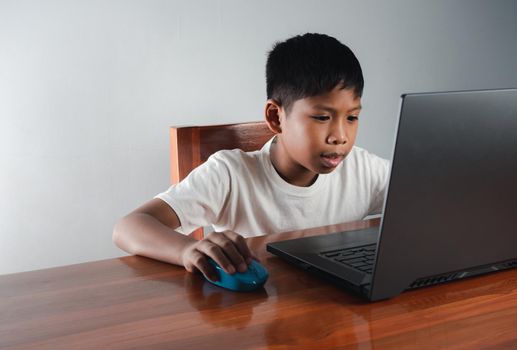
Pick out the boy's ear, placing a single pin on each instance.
(272, 112)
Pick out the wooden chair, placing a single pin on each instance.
(192, 145)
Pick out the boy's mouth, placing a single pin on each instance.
(332, 160)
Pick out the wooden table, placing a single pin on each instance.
(138, 303)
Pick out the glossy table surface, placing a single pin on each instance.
(138, 303)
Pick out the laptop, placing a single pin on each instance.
(450, 208)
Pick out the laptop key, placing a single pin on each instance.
(359, 264)
(351, 261)
(359, 258)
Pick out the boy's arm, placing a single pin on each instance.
(149, 231)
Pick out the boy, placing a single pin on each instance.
(299, 179)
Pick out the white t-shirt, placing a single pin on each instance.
(242, 192)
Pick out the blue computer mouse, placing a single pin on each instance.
(254, 277)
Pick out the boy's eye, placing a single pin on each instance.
(321, 118)
(352, 118)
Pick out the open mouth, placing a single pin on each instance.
(332, 160)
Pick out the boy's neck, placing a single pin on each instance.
(297, 176)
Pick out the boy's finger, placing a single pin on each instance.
(201, 264)
(213, 251)
(241, 245)
(231, 251)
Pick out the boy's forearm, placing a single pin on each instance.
(142, 234)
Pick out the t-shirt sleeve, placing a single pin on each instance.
(198, 200)
(379, 177)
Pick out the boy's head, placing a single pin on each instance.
(309, 65)
(314, 88)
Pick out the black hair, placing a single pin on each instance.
(308, 65)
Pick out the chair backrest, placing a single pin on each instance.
(192, 145)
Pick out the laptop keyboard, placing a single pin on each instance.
(360, 258)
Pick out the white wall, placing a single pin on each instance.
(88, 90)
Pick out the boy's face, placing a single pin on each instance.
(316, 135)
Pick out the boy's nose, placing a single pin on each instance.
(337, 137)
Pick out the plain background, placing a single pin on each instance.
(88, 90)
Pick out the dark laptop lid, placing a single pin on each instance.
(452, 195)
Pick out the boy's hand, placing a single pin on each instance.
(228, 249)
